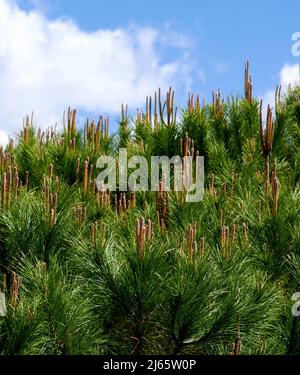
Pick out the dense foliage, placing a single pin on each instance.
(96, 272)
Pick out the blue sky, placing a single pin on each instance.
(225, 33)
(196, 46)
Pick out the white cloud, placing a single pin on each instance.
(49, 65)
(220, 67)
(3, 137)
(288, 75)
(176, 39)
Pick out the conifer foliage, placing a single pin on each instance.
(85, 270)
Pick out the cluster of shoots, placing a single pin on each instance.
(50, 187)
(124, 114)
(71, 126)
(101, 193)
(5, 159)
(217, 104)
(87, 176)
(124, 117)
(95, 229)
(225, 237)
(187, 146)
(162, 206)
(144, 233)
(228, 238)
(266, 135)
(47, 136)
(225, 240)
(27, 126)
(102, 197)
(171, 110)
(190, 245)
(10, 180)
(122, 203)
(81, 214)
(163, 113)
(193, 104)
(248, 84)
(95, 134)
(187, 150)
